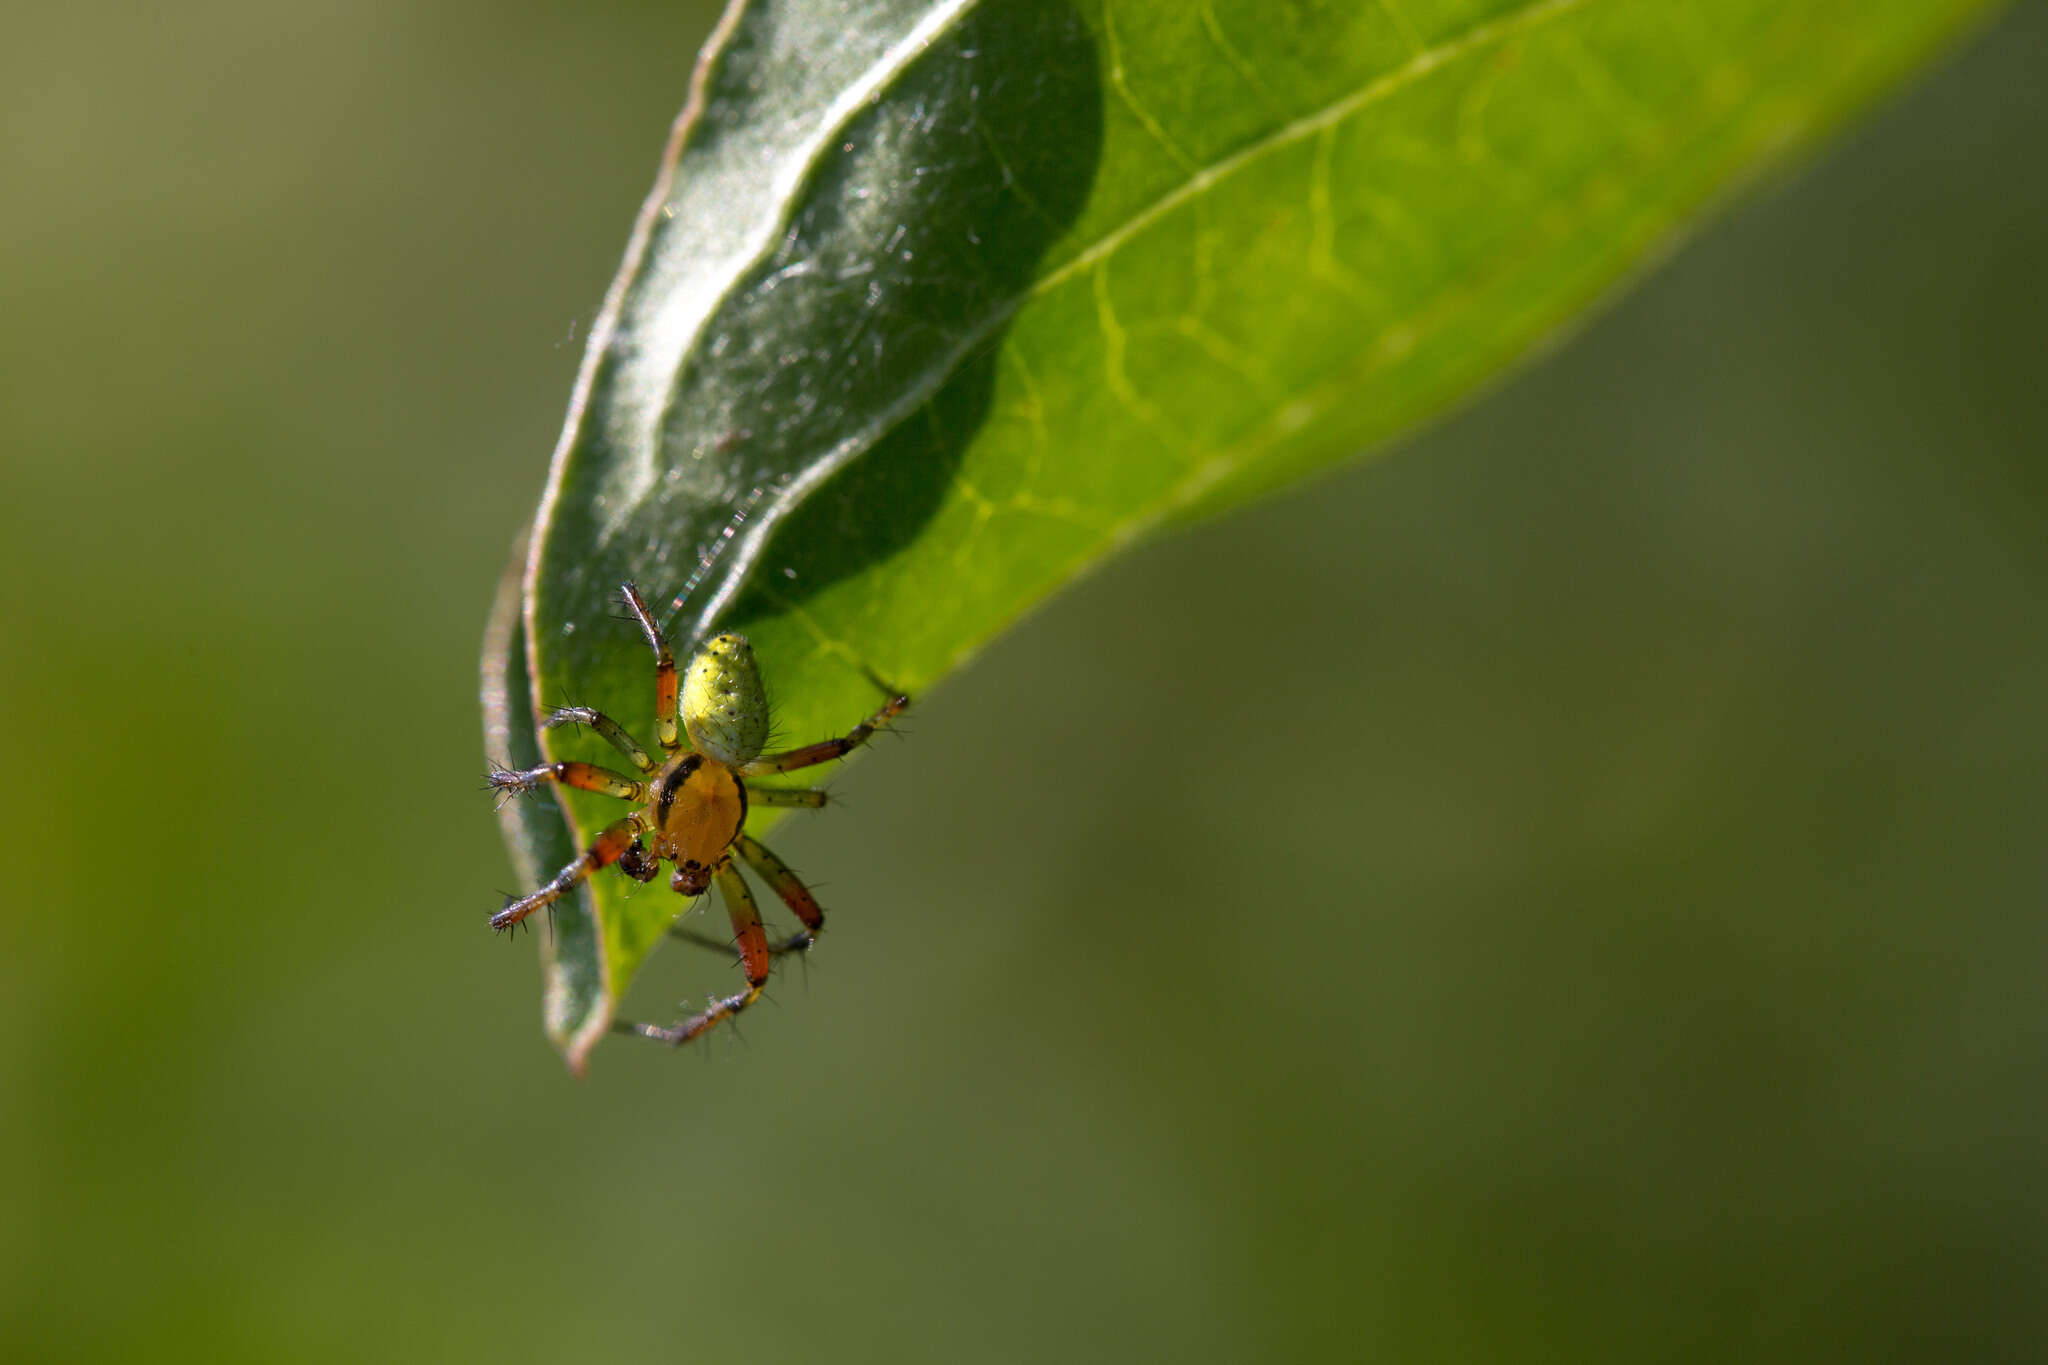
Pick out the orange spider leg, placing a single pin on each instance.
(587, 777)
(755, 955)
(824, 751)
(787, 885)
(607, 848)
(666, 687)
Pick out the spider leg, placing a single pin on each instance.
(787, 885)
(697, 938)
(607, 848)
(612, 732)
(826, 750)
(583, 776)
(794, 894)
(666, 687)
(786, 796)
(755, 956)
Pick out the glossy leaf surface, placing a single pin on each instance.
(934, 305)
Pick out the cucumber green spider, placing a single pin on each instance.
(692, 802)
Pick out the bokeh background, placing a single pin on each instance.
(1628, 942)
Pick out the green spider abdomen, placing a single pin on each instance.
(724, 706)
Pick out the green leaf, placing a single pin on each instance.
(930, 312)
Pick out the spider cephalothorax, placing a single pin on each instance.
(692, 803)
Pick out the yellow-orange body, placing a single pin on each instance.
(699, 806)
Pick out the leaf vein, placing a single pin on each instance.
(1400, 78)
(1122, 85)
(1114, 343)
(1214, 28)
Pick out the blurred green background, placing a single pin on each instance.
(1630, 944)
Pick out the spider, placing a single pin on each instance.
(693, 802)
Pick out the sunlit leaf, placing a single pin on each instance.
(936, 305)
